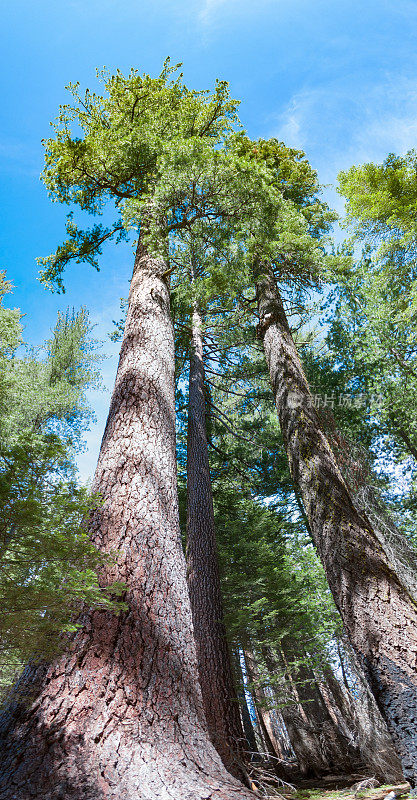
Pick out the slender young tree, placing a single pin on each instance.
(251, 744)
(273, 746)
(214, 665)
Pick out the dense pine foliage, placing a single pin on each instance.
(48, 564)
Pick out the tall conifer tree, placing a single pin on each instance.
(121, 714)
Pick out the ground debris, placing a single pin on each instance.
(319, 791)
(368, 783)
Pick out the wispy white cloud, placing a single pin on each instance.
(19, 156)
(291, 122)
(210, 10)
(340, 124)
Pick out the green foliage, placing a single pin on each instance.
(293, 221)
(170, 159)
(46, 390)
(382, 201)
(291, 173)
(273, 584)
(48, 566)
(132, 146)
(374, 325)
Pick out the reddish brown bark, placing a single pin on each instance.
(120, 716)
(213, 657)
(379, 615)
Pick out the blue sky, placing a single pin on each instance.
(337, 79)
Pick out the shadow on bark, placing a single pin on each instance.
(116, 709)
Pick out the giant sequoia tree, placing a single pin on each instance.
(121, 714)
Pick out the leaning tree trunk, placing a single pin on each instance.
(378, 613)
(337, 703)
(213, 657)
(120, 715)
(398, 550)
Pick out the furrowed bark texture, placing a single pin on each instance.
(214, 664)
(378, 613)
(120, 716)
(401, 555)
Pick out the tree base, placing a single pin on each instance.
(129, 757)
(137, 774)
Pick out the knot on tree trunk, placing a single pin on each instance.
(264, 323)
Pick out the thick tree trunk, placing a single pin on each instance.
(213, 657)
(398, 550)
(378, 613)
(120, 716)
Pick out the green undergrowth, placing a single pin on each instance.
(401, 790)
